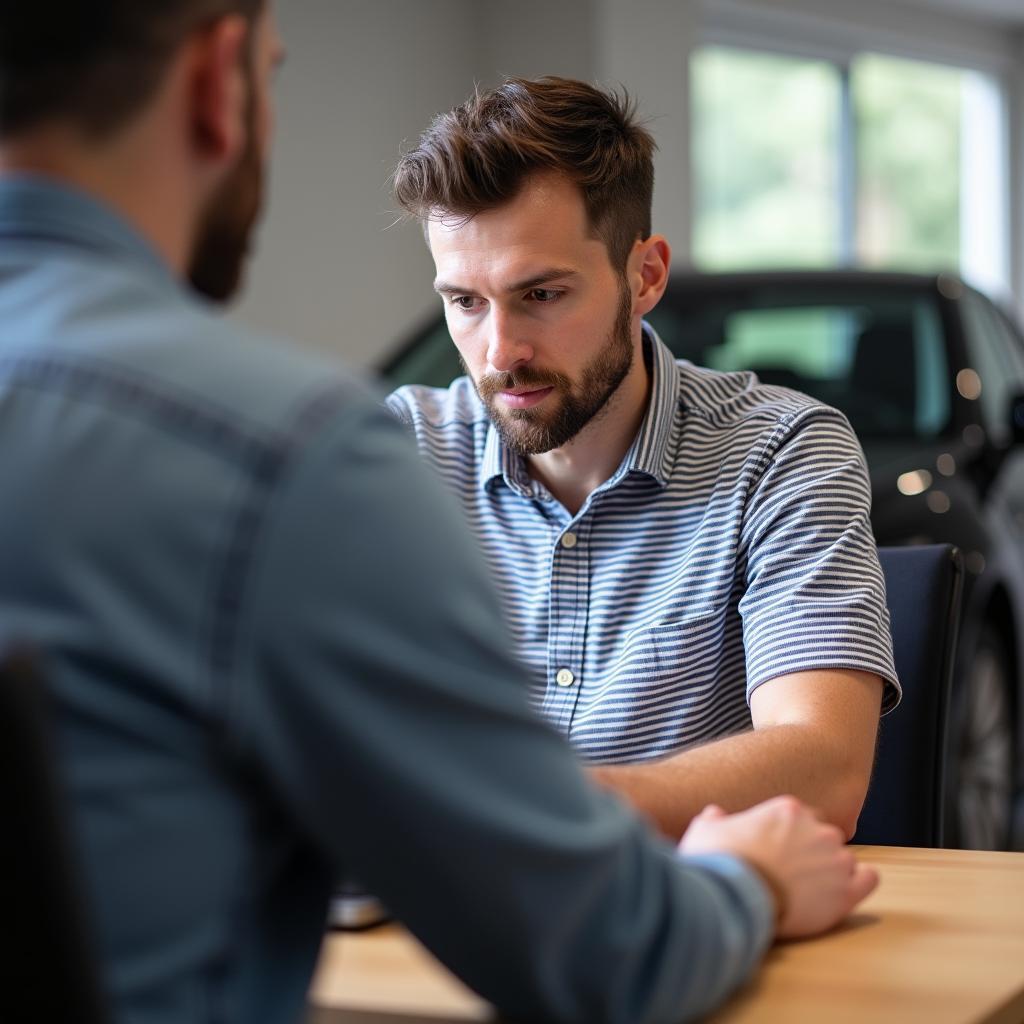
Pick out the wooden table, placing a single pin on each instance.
(941, 941)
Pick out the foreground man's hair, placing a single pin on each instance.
(93, 63)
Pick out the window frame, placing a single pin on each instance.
(821, 37)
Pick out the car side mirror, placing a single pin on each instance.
(1017, 418)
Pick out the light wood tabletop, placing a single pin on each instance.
(941, 941)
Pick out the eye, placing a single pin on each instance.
(544, 294)
(466, 303)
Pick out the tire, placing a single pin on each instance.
(983, 743)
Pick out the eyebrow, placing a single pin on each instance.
(544, 277)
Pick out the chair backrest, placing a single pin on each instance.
(905, 801)
(47, 971)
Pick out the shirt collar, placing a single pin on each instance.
(649, 453)
(34, 207)
(499, 463)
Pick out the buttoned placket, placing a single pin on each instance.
(570, 554)
(568, 610)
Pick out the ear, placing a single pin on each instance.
(218, 88)
(648, 270)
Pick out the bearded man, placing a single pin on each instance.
(685, 556)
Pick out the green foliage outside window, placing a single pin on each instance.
(765, 160)
(908, 150)
(767, 139)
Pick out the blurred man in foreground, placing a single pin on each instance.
(268, 669)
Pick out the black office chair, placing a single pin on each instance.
(906, 798)
(47, 971)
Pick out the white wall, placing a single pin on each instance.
(645, 46)
(901, 28)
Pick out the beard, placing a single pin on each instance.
(225, 228)
(535, 431)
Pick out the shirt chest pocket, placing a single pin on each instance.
(684, 654)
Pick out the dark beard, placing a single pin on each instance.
(225, 229)
(530, 432)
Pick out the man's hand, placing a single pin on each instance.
(818, 878)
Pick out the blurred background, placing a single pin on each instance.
(887, 134)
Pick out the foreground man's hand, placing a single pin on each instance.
(816, 879)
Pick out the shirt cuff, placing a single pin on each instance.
(748, 890)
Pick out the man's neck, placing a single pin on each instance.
(574, 471)
(144, 195)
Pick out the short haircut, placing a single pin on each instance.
(479, 155)
(93, 63)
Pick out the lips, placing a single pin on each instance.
(524, 398)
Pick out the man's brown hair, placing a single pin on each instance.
(478, 156)
(93, 62)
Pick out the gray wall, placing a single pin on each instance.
(332, 270)
(538, 37)
(645, 46)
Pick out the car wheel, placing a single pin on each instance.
(983, 731)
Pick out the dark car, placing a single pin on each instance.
(930, 374)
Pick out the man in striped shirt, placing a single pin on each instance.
(685, 556)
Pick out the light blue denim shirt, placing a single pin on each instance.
(277, 658)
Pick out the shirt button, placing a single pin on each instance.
(569, 540)
(565, 677)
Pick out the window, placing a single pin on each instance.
(908, 134)
(887, 163)
(762, 199)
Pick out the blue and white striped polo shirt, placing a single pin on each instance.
(731, 546)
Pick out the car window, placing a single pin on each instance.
(880, 359)
(1012, 345)
(990, 355)
(879, 355)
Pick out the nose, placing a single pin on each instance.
(507, 348)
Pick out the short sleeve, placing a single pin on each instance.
(815, 594)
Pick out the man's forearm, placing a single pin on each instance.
(739, 771)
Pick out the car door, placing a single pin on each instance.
(993, 648)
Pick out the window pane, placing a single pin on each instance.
(908, 147)
(765, 160)
(790, 342)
